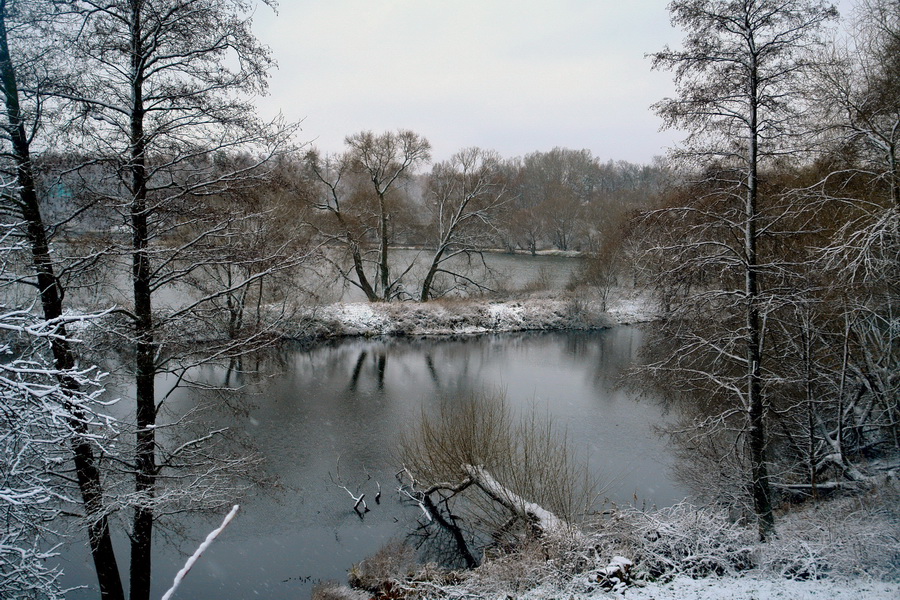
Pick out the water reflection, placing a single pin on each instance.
(345, 403)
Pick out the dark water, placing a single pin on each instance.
(334, 413)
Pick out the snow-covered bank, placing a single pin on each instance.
(759, 588)
(844, 548)
(750, 587)
(467, 317)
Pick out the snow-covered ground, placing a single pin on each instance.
(468, 317)
(749, 587)
(758, 588)
(839, 549)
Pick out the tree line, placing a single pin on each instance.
(370, 199)
(777, 257)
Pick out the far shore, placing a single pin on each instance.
(468, 317)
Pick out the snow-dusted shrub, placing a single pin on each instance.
(841, 537)
(677, 540)
(512, 573)
(565, 568)
(395, 561)
(332, 590)
(519, 572)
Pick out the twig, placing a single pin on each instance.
(196, 555)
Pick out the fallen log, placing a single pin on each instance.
(542, 520)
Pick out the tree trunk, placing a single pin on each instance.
(383, 265)
(145, 361)
(432, 271)
(364, 284)
(762, 498)
(51, 295)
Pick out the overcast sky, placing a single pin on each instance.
(510, 75)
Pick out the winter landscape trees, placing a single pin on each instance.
(737, 77)
(133, 155)
(783, 191)
(146, 93)
(360, 191)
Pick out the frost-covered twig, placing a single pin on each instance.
(199, 551)
(359, 500)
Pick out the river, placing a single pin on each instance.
(334, 412)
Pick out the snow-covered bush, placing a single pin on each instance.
(36, 420)
(854, 535)
(628, 547)
(395, 561)
(677, 540)
(332, 590)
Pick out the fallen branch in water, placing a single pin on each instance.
(541, 519)
(359, 500)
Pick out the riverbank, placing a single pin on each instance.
(844, 548)
(471, 316)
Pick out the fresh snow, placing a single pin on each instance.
(749, 587)
(467, 317)
(753, 588)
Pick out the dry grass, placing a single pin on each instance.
(528, 454)
(837, 539)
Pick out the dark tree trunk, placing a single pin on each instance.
(429, 278)
(51, 295)
(364, 284)
(762, 496)
(145, 361)
(383, 265)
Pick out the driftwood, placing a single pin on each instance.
(542, 521)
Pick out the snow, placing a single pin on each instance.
(757, 588)
(356, 317)
(467, 317)
(749, 587)
(547, 521)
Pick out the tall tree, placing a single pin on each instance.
(737, 79)
(465, 193)
(361, 190)
(160, 96)
(22, 211)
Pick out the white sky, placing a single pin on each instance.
(515, 76)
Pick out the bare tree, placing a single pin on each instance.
(361, 193)
(555, 186)
(737, 78)
(465, 195)
(350, 228)
(22, 214)
(157, 95)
